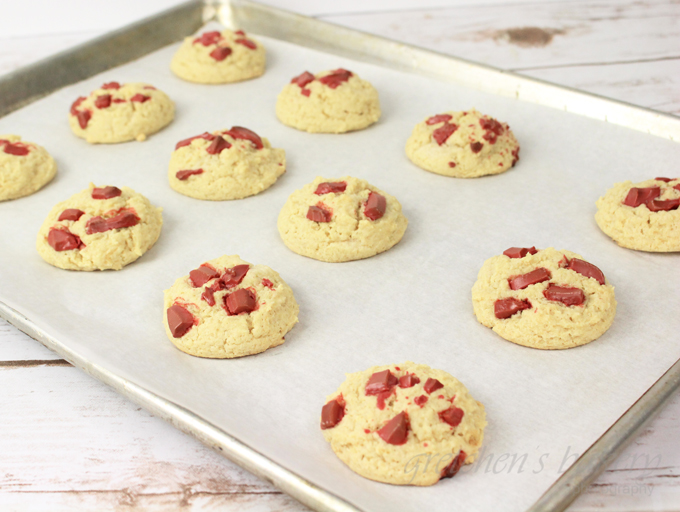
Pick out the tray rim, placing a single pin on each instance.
(591, 463)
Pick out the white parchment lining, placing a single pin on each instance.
(411, 303)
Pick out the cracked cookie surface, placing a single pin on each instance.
(463, 145)
(545, 299)
(341, 219)
(404, 424)
(643, 216)
(25, 167)
(228, 308)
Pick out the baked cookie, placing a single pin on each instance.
(642, 216)
(335, 101)
(225, 164)
(463, 145)
(118, 113)
(341, 219)
(544, 299)
(25, 167)
(405, 424)
(229, 308)
(99, 228)
(219, 58)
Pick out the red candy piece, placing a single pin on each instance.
(106, 192)
(331, 187)
(186, 142)
(202, 275)
(566, 295)
(408, 381)
(442, 133)
(420, 400)
(375, 206)
(638, 196)
(124, 219)
(220, 53)
(332, 413)
(208, 295)
(184, 175)
(140, 98)
(241, 301)
(103, 101)
(319, 214)
(233, 276)
(439, 118)
(111, 85)
(657, 205)
(336, 78)
(180, 320)
(217, 146)
(84, 117)
(665, 180)
(505, 308)
(519, 252)
(16, 149)
(71, 214)
(208, 38)
(240, 33)
(396, 430)
(76, 104)
(476, 147)
(305, 92)
(535, 276)
(493, 129)
(380, 382)
(455, 465)
(586, 269)
(238, 132)
(453, 416)
(382, 397)
(247, 43)
(63, 240)
(266, 282)
(303, 79)
(432, 385)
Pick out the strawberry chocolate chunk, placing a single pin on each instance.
(217, 146)
(233, 276)
(505, 308)
(246, 42)
(303, 79)
(71, 214)
(180, 320)
(476, 147)
(186, 142)
(396, 430)
(665, 180)
(566, 295)
(441, 134)
(331, 187)
(184, 175)
(493, 129)
(586, 269)
(380, 382)
(420, 400)
(140, 98)
(455, 465)
(319, 213)
(106, 192)
(519, 252)
(208, 295)
(238, 132)
(534, 277)
(202, 275)
(408, 381)
(336, 78)
(123, 219)
(208, 38)
(16, 149)
(432, 385)
(63, 240)
(74, 106)
(220, 53)
(375, 206)
(637, 196)
(439, 118)
(453, 416)
(111, 85)
(332, 413)
(103, 101)
(656, 205)
(84, 117)
(241, 301)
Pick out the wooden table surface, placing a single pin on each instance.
(67, 442)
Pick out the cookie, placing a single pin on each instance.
(99, 228)
(225, 164)
(642, 216)
(463, 145)
(118, 113)
(25, 167)
(341, 219)
(335, 101)
(227, 308)
(545, 299)
(405, 424)
(219, 58)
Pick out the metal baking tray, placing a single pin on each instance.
(28, 84)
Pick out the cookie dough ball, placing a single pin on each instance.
(642, 216)
(226, 164)
(405, 424)
(545, 299)
(25, 167)
(118, 113)
(463, 145)
(341, 219)
(329, 102)
(99, 228)
(219, 58)
(227, 308)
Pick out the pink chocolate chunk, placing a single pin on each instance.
(184, 175)
(455, 465)
(432, 385)
(637, 196)
(586, 269)
(220, 53)
(396, 430)
(565, 294)
(505, 308)
(106, 192)
(331, 187)
(238, 132)
(208, 38)
(534, 277)
(441, 134)
(380, 382)
(439, 118)
(319, 214)
(453, 416)
(180, 320)
(186, 142)
(241, 301)
(71, 214)
(124, 219)
(332, 413)
(63, 240)
(202, 275)
(519, 252)
(375, 206)
(336, 78)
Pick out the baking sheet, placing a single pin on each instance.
(412, 302)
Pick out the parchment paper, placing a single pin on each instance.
(410, 303)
